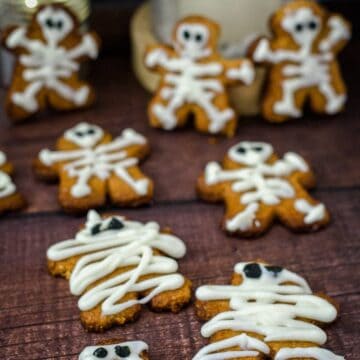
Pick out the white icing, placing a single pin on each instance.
(136, 348)
(258, 182)
(110, 250)
(313, 213)
(250, 347)
(311, 352)
(100, 161)
(308, 68)
(245, 72)
(7, 187)
(270, 304)
(46, 64)
(2, 158)
(84, 134)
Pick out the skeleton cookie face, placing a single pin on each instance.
(55, 23)
(250, 153)
(96, 225)
(303, 25)
(84, 135)
(192, 40)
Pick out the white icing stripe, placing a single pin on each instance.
(99, 161)
(7, 187)
(266, 304)
(312, 352)
(313, 213)
(136, 348)
(110, 250)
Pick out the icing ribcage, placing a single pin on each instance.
(105, 253)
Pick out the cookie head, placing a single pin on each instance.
(55, 22)
(250, 153)
(84, 135)
(195, 37)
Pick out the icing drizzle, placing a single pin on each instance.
(99, 161)
(108, 249)
(271, 302)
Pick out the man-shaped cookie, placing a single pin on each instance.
(91, 165)
(10, 199)
(257, 187)
(194, 78)
(49, 52)
(116, 266)
(302, 61)
(266, 313)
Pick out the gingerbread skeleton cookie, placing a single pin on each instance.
(91, 164)
(194, 78)
(116, 266)
(130, 350)
(257, 187)
(10, 199)
(302, 61)
(266, 313)
(49, 52)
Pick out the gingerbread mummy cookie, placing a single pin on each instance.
(302, 62)
(49, 52)
(267, 312)
(10, 198)
(116, 266)
(110, 350)
(90, 165)
(258, 187)
(194, 78)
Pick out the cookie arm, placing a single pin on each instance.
(14, 39)
(338, 34)
(87, 48)
(157, 57)
(236, 71)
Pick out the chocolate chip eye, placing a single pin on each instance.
(91, 131)
(122, 351)
(274, 269)
(299, 27)
(95, 229)
(257, 148)
(79, 133)
(100, 353)
(241, 150)
(115, 224)
(59, 24)
(49, 23)
(312, 25)
(198, 37)
(252, 271)
(186, 35)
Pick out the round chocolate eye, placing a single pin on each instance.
(100, 353)
(198, 37)
(79, 133)
(257, 148)
(299, 27)
(312, 25)
(59, 24)
(122, 351)
(241, 150)
(252, 271)
(95, 229)
(91, 131)
(274, 269)
(49, 23)
(115, 224)
(186, 35)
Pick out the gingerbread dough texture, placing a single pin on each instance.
(49, 53)
(258, 187)
(267, 312)
(116, 266)
(194, 78)
(91, 165)
(302, 61)
(10, 198)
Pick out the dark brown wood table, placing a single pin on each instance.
(39, 318)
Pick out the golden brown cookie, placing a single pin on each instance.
(49, 52)
(301, 56)
(116, 266)
(257, 187)
(267, 312)
(10, 198)
(91, 165)
(194, 78)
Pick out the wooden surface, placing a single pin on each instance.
(39, 317)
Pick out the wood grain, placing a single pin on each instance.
(39, 317)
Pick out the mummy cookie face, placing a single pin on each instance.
(91, 164)
(267, 312)
(49, 52)
(116, 266)
(131, 350)
(10, 199)
(302, 62)
(194, 78)
(257, 187)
